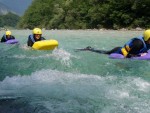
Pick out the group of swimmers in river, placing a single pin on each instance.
(34, 37)
(137, 46)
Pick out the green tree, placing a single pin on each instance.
(82, 14)
(9, 20)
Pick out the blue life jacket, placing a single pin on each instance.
(144, 49)
(6, 37)
(32, 38)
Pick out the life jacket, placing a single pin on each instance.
(6, 37)
(144, 49)
(125, 49)
(32, 38)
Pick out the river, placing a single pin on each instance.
(66, 81)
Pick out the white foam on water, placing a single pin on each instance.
(25, 47)
(68, 90)
(32, 56)
(50, 78)
(118, 94)
(142, 85)
(128, 86)
(58, 54)
(63, 56)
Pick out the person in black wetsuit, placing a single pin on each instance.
(135, 47)
(7, 36)
(36, 36)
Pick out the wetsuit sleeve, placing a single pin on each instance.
(29, 42)
(3, 39)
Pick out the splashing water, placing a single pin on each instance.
(63, 55)
(56, 91)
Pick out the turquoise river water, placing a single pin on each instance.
(65, 81)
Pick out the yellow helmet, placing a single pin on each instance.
(146, 34)
(8, 33)
(37, 31)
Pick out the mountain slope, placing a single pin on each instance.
(7, 17)
(18, 6)
(4, 9)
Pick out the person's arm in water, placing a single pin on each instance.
(131, 49)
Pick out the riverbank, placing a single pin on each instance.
(102, 29)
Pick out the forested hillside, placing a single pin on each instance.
(9, 20)
(87, 14)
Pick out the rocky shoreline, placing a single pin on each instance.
(102, 29)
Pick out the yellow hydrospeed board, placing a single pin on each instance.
(45, 45)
